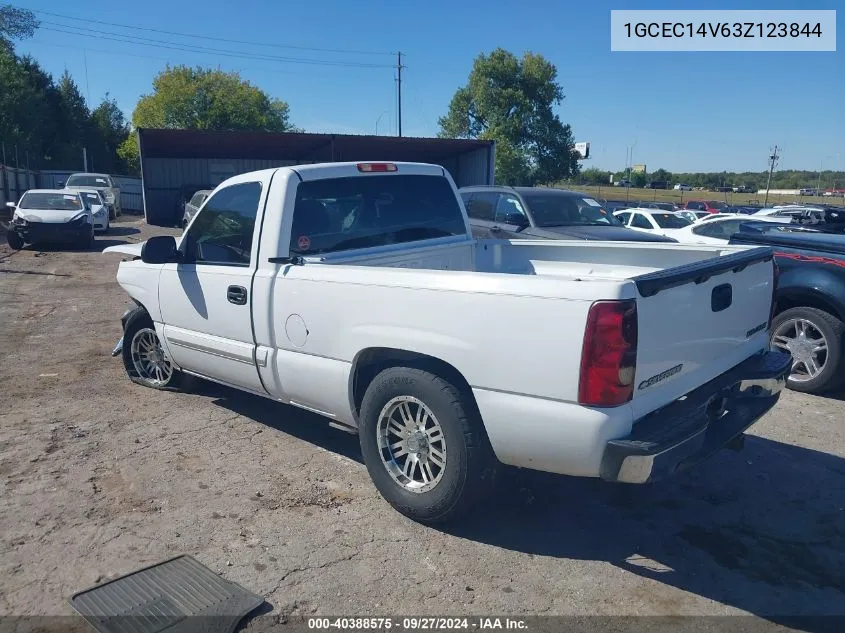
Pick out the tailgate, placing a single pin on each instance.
(697, 321)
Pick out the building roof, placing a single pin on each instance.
(305, 147)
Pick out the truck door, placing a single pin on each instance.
(205, 300)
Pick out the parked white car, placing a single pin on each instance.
(652, 221)
(357, 292)
(682, 187)
(99, 210)
(50, 216)
(718, 228)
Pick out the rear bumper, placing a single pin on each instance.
(687, 431)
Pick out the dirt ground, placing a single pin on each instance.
(101, 477)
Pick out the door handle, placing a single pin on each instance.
(236, 295)
(496, 229)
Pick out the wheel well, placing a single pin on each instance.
(370, 362)
(806, 301)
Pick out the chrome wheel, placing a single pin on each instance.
(148, 358)
(411, 444)
(806, 343)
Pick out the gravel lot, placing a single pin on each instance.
(101, 477)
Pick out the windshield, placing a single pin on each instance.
(689, 215)
(50, 201)
(551, 209)
(91, 198)
(87, 181)
(670, 220)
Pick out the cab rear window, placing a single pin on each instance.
(338, 214)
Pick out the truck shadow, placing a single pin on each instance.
(296, 422)
(762, 530)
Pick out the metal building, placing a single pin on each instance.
(176, 163)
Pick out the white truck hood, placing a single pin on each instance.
(133, 249)
(49, 216)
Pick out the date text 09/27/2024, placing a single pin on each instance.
(418, 624)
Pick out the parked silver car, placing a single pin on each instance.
(104, 183)
(193, 205)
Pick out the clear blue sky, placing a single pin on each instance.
(685, 111)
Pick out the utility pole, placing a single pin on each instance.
(399, 88)
(773, 159)
(84, 159)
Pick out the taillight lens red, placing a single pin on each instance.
(775, 278)
(609, 354)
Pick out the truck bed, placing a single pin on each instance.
(563, 260)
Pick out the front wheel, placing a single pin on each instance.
(144, 358)
(815, 340)
(14, 240)
(424, 445)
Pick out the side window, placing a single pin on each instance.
(721, 230)
(508, 205)
(698, 206)
(639, 221)
(222, 234)
(624, 217)
(482, 206)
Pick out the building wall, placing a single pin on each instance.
(168, 182)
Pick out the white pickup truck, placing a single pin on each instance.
(356, 291)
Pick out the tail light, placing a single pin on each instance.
(609, 354)
(376, 167)
(775, 279)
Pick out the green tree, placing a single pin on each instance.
(661, 175)
(512, 101)
(639, 179)
(205, 99)
(16, 24)
(110, 129)
(594, 176)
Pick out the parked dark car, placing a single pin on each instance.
(827, 219)
(665, 206)
(809, 309)
(545, 213)
(657, 185)
(612, 206)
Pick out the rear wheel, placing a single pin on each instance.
(424, 445)
(815, 340)
(14, 240)
(144, 359)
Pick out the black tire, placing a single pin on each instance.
(86, 243)
(469, 460)
(833, 330)
(14, 240)
(139, 322)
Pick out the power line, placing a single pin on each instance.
(309, 73)
(208, 37)
(192, 48)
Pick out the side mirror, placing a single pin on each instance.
(516, 218)
(11, 205)
(160, 249)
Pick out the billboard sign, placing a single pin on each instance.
(638, 169)
(583, 150)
